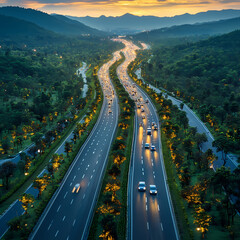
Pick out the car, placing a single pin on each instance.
(153, 123)
(142, 109)
(109, 111)
(155, 127)
(140, 124)
(149, 131)
(146, 101)
(153, 190)
(147, 146)
(76, 188)
(153, 148)
(141, 186)
(143, 116)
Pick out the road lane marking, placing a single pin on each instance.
(142, 173)
(74, 177)
(71, 202)
(152, 164)
(63, 218)
(142, 161)
(91, 176)
(158, 208)
(78, 168)
(146, 208)
(153, 176)
(93, 170)
(84, 196)
(146, 199)
(58, 208)
(97, 162)
(70, 184)
(147, 226)
(65, 195)
(56, 233)
(50, 225)
(74, 222)
(83, 176)
(162, 226)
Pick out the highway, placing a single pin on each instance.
(150, 216)
(68, 215)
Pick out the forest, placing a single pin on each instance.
(39, 85)
(206, 75)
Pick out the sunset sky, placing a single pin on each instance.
(119, 7)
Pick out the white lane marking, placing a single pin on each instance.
(146, 199)
(65, 195)
(93, 170)
(153, 176)
(56, 233)
(70, 184)
(142, 161)
(158, 208)
(63, 218)
(97, 143)
(142, 173)
(58, 208)
(162, 226)
(88, 183)
(83, 159)
(141, 157)
(84, 196)
(74, 222)
(50, 225)
(143, 169)
(78, 168)
(152, 164)
(71, 202)
(67, 238)
(146, 207)
(85, 154)
(86, 169)
(147, 225)
(74, 177)
(91, 176)
(92, 143)
(93, 152)
(83, 176)
(97, 162)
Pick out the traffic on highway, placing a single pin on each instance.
(151, 213)
(73, 204)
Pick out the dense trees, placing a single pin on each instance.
(206, 76)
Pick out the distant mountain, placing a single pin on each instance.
(129, 23)
(55, 23)
(209, 28)
(17, 32)
(11, 26)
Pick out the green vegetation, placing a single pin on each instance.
(110, 217)
(21, 227)
(205, 75)
(202, 209)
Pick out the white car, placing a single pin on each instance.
(141, 186)
(76, 188)
(147, 145)
(153, 190)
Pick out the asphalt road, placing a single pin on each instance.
(68, 215)
(150, 217)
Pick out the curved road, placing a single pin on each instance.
(150, 217)
(68, 215)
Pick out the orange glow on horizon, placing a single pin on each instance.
(120, 7)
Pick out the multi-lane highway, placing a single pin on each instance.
(68, 215)
(150, 216)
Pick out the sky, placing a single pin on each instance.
(97, 8)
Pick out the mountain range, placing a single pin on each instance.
(186, 30)
(55, 23)
(128, 23)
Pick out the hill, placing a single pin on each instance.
(55, 23)
(208, 28)
(129, 23)
(205, 75)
